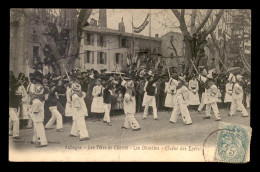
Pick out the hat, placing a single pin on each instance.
(204, 72)
(210, 76)
(38, 89)
(239, 77)
(127, 78)
(91, 76)
(182, 78)
(130, 84)
(233, 78)
(76, 86)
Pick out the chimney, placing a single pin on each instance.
(156, 35)
(93, 22)
(102, 21)
(121, 26)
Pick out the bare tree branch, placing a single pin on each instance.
(192, 23)
(204, 21)
(215, 23)
(180, 17)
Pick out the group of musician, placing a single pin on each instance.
(38, 101)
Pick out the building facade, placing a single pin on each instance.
(170, 41)
(104, 48)
(24, 45)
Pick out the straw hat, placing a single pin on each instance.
(76, 86)
(130, 84)
(210, 76)
(239, 77)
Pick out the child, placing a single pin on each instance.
(119, 103)
(79, 109)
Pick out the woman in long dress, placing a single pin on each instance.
(97, 106)
(170, 89)
(228, 94)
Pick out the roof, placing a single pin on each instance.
(116, 32)
(172, 33)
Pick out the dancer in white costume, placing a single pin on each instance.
(193, 92)
(130, 106)
(210, 97)
(37, 116)
(79, 110)
(180, 105)
(237, 97)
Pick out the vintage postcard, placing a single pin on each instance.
(130, 85)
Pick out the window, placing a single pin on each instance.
(88, 56)
(34, 36)
(101, 40)
(171, 54)
(35, 51)
(102, 58)
(89, 39)
(117, 58)
(123, 43)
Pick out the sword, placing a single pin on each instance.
(66, 71)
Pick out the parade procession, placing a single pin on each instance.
(70, 79)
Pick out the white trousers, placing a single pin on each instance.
(39, 133)
(183, 110)
(130, 121)
(202, 104)
(107, 108)
(79, 127)
(214, 107)
(237, 103)
(56, 116)
(150, 100)
(13, 122)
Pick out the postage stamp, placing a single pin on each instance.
(233, 143)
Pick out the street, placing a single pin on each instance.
(153, 132)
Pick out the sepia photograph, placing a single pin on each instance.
(129, 85)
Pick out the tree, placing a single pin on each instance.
(195, 39)
(60, 32)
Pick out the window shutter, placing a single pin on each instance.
(92, 57)
(104, 41)
(122, 59)
(105, 58)
(98, 57)
(98, 40)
